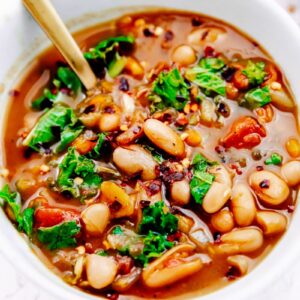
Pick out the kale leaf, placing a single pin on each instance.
(257, 98)
(255, 72)
(156, 219)
(207, 76)
(78, 166)
(65, 78)
(142, 248)
(212, 64)
(95, 153)
(154, 245)
(69, 79)
(152, 240)
(202, 180)
(107, 53)
(158, 157)
(45, 101)
(58, 125)
(171, 89)
(118, 230)
(59, 236)
(24, 219)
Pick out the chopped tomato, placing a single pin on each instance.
(49, 216)
(245, 132)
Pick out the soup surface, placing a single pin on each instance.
(174, 177)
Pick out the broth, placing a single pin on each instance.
(157, 35)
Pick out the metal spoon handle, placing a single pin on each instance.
(47, 17)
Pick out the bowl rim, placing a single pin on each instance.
(35, 269)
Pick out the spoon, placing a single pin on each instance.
(47, 17)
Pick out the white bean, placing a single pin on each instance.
(205, 35)
(240, 262)
(291, 172)
(269, 187)
(134, 160)
(109, 122)
(164, 137)
(100, 270)
(243, 205)
(184, 55)
(221, 174)
(242, 240)
(96, 217)
(282, 100)
(271, 222)
(222, 221)
(216, 197)
(180, 192)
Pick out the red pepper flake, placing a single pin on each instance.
(124, 84)
(232, 273)
(219, 149)
(217, 237)
(115, 206)
(66, 91)
(89, 248)
(182, 121)
(176, 236)
(210, 52)
(112, 295)
(109, 110)
(236, 169)
(148, 33)
(265, 184)
(169, 35)
(259, 168)
(145, 203)
(14, 93)
(196, 22)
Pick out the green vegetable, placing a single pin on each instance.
(202, 180)
(154, 245)
(78, 166)
(102, 253)
(255, 72)
(58, 125)
(155, 154)
(171, 89)
(27, 221)
(46, 100)
(208, 80)
(69, 78)
(117, 65)
(257, 98)
(156, 219)
(59, 236)
(118, 230)
(24, 219)
(107, 52)
(274, 159)
(95, 153)
(142, 248)
(65, 77)
(212, 64)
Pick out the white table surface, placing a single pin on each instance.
(15, 286)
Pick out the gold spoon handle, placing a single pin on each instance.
(46, 16)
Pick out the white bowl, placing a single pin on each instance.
(21, 40)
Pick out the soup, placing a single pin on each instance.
(174, 177)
